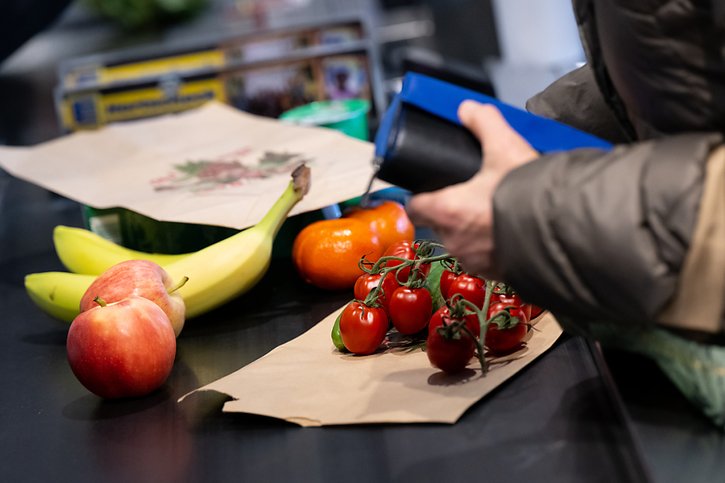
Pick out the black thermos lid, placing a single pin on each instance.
(426, 153)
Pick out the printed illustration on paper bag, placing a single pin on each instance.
(226, 170)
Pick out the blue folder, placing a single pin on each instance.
(442, 99)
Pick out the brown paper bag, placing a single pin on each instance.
(214, 165)
(307, 382)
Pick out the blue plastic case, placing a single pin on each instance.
(421, 145)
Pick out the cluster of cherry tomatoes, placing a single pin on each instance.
(400, 291)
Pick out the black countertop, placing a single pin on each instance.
(557, 419)
(573, 415)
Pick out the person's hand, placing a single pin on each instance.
(462, 214)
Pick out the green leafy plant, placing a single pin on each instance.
(144, 14)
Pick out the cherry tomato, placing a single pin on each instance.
(444, 313)
(405, 250)
(410, 309)
(366, 282)
(510, 298)
(471, 288)
(535, 311)
(402, 249)
(514, 299)
(502, 341)
(451, 355)
(447, 278)
(515, 311)
(508, 337)
(390, 285)
(363, 328)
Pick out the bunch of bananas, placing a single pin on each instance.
(217, 273)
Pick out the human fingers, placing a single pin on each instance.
(501, 143)
(481, 119)
(422, 211)
(463, 228)
(457, 206)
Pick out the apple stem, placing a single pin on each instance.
(100, 301)
(181, 283)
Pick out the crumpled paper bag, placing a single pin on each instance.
(214, 165)
(307, 382)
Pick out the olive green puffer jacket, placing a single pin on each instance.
(636, 235)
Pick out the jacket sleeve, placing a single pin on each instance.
(576, 100)
(595, 235)
(699, 301)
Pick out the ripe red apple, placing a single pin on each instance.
(123, 349)
(143, 278)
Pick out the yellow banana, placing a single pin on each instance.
(82, 251)
(217, 273)
(58, 293)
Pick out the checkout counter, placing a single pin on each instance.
(577, 414)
